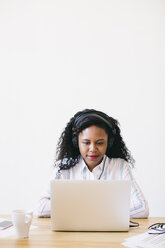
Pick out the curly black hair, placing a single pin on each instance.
(67, 148)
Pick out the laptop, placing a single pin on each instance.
(97, 205)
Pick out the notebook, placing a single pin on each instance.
(96, 205)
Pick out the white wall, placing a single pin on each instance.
(59, 57)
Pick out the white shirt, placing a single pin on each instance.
(108, 169)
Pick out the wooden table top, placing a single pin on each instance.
(42, 236)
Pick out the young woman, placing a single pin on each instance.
(91, 148)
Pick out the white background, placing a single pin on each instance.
(59, 57)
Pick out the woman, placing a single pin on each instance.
(91, 148)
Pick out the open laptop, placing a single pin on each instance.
(97, 205)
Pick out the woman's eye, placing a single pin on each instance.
(100, 143)
(86, 143)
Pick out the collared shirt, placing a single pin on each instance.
(108, 169)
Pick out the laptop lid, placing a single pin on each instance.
(97, 205)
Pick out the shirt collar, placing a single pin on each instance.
(97, 169)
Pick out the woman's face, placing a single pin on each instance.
(93, 143)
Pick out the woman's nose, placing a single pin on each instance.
(93, 147)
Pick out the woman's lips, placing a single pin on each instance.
(93, 156)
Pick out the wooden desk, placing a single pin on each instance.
(44, 237)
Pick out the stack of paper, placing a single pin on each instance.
(146, 240)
